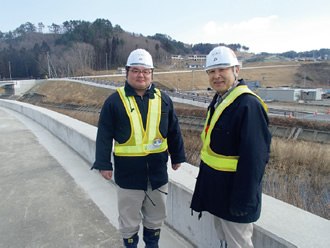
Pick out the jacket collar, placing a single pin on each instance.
(130, 91)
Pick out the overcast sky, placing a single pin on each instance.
(273, 26)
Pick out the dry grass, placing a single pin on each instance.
(298, 173)
(197, 80)
(73, 93)
(183, 109)
(182, 80)
(192, 145)
(305, 124)
(274, 77)
(290, 74)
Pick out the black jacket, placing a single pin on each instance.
(134, 172)
(242, 130)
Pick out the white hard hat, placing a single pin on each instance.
(221, 57)
(140, 57)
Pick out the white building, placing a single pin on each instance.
(279, 94)
(121, 70)
(285, 94)
(196, 57)
(311, 94)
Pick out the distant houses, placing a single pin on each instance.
(193, 57)
(193, 61)
(286, 94)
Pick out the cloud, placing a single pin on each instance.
(255, 24)
(246, 32)
(270, 34)
(210, 28)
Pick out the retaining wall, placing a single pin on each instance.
(280, 224)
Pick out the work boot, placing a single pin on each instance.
(151, 237)
(132, 241)
(223, 244)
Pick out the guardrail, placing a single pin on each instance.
(295, 133)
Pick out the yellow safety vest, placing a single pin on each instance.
(212, 159)
(142, 142)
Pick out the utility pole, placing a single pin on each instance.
(192, 83)
(106, 61)
(49, 76)
(51, 69)
(263, 80)
(9, 67)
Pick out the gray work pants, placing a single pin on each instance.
(236, 235)
(136, 206)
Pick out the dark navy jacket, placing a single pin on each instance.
(241, 130)
(134, 172)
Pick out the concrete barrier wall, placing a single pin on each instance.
(21, 86)
(80, 136)
(280, 224)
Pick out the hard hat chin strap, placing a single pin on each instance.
(233, 86)
(235, 73)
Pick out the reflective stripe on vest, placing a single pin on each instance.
(142, 142)
(212, 159)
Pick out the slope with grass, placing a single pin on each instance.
(269, 74)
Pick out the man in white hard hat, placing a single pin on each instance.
(142, 122)
(236, 146)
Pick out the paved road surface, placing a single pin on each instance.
(50, 198)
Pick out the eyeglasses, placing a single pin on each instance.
(144, 72)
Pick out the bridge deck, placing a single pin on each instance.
(49, 196)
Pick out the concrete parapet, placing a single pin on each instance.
(79, 135)
(280, 224)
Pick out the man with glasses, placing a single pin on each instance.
(142, 122)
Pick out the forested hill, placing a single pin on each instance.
(78, 48)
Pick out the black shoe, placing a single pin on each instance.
(151, 237)
(132, 241)
(223, 244)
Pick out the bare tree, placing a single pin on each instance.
(85, 54)
(54, 28)
(40, 27)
